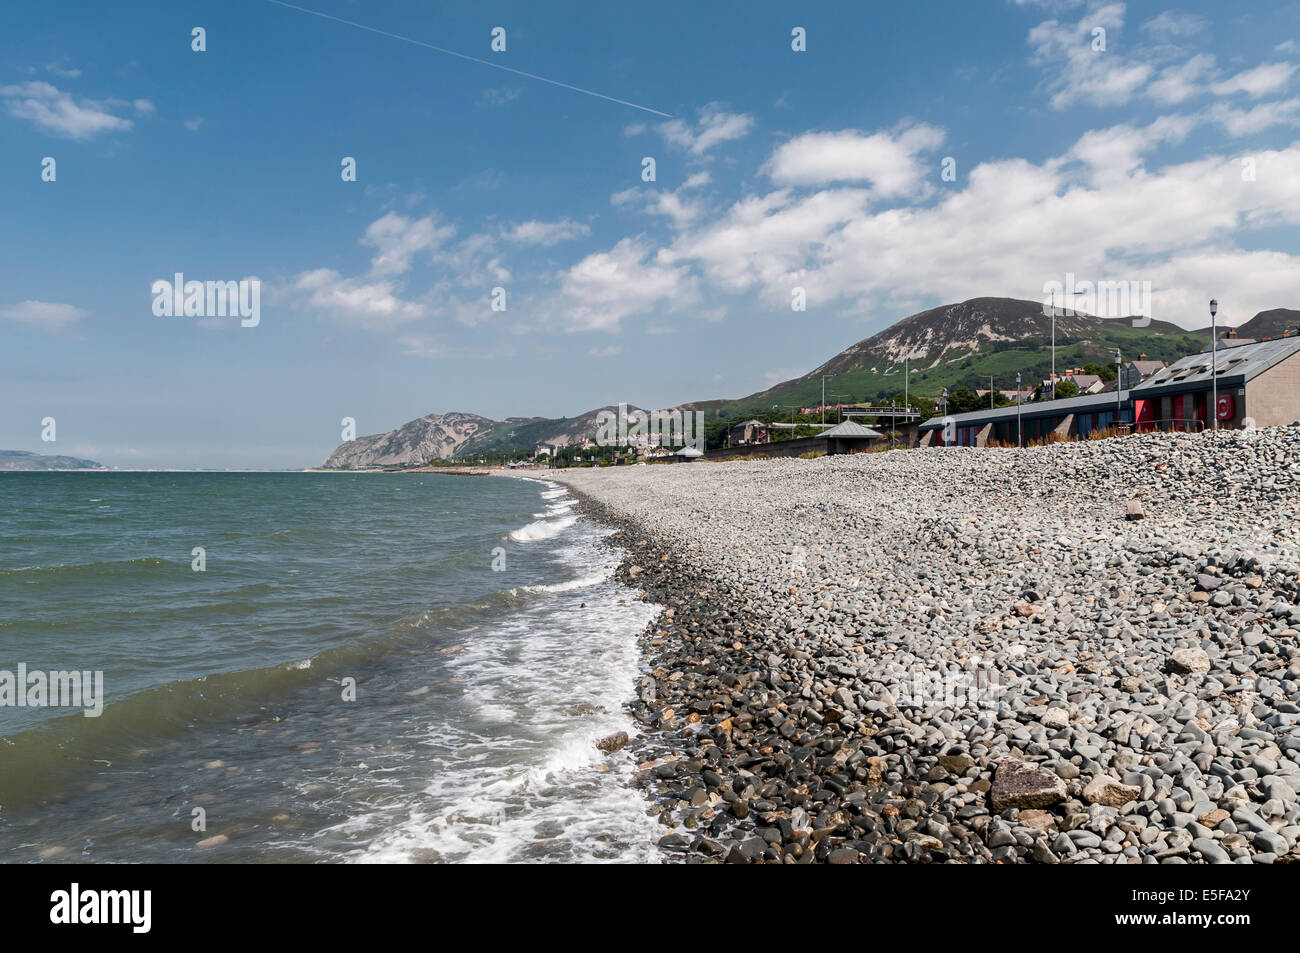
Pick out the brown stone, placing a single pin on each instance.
(957, 764)
(1214, 818)
(1109, 792)
(1020, 785)
(613, 743)
(1038, 820)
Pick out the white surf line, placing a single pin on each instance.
(472, 59)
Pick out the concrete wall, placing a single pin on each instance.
(782, 448)
(1273, 398)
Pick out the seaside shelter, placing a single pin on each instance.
(848, 437)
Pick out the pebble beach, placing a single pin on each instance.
(1078, 653)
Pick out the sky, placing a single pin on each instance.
(1109, 141)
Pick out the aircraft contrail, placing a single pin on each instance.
(472, 59)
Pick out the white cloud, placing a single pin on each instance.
(765, 241)
(399, 239)
(1077, 72)
(715, 126)
(604, 288)
(1248, 122)
(44, 314)
(1263, 79)
(61, 71)
(60, 113)
(144, 107)
(545, 233)
(193, 124)
(1114, 154)
(889, 161)
(681, 211)
(370, 304)
(1175, 25)
(1180, 82)
(1098, 210)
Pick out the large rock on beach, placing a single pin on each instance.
(1020, 785)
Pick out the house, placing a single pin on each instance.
(1087, 383)
(748, 432)
(1135, 372)
(1013, 395)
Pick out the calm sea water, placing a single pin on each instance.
(479, 691)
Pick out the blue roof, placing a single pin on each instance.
(1044, 408)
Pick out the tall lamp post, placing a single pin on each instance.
(1053, 342)
(1119, 373)
(1053, 397)
(1214, 363)
(1020, 433)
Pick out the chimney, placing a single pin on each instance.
(1230, 334)
(1142, 356)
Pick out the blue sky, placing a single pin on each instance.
(779, 169)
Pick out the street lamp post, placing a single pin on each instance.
(1214, 363)
(1053, 397)
(1020, 433)
(1119, 373)
(1053, 342)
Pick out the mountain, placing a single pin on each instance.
(1270, 324)
(519, 433)
(25, 460)
(444, 436)
(434, 436)
(956, 345)
(965, 344)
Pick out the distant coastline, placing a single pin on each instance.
(25, 461)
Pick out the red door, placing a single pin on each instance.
(1146, 413)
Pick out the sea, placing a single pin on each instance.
(313, 667)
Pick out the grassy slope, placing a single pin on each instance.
(1033, 360)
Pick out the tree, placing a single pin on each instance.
(1105, 371)
(962, 400)
(1066, 389)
